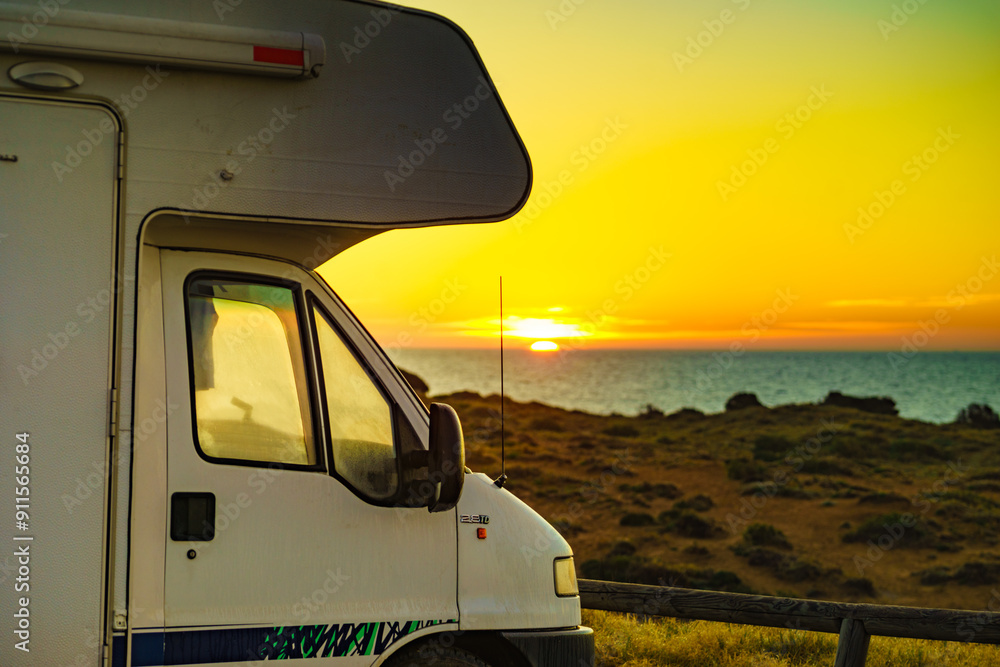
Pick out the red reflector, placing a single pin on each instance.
(267, 54)
(481, 533)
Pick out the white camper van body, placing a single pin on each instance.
(170, 177)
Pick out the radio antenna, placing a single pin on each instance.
(503, 458)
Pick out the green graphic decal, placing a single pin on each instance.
(338, 640)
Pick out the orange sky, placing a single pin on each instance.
(782, 175)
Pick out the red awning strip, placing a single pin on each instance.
(268, 54)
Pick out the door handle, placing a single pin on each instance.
(192, 517)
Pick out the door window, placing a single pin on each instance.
(249, 375)
(359, 416)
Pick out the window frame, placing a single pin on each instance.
(314, 304)
(307, 361)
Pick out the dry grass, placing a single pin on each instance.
(624, 641)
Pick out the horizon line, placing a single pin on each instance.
(496, 348)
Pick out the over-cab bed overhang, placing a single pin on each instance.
(392, 122)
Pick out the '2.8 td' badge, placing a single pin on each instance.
(475, 518)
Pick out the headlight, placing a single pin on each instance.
(565, 577)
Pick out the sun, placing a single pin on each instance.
(544, 346)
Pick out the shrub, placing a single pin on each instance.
(718, 580)
(546, 424)
(988, 487)
(742, 401)
(697, 550)
(658, 490)
(632, 569)
(765, 558)
(765, 535)
(700, 503)
(882, 498)
(912, 450)
(975, 573)
(784, 566)
(978, 415)
(686, 413)
(854, 448)
(799, 570)
(634, 519)
(966, 498)
(567, 528)
(655, 573)
(877, 405)
(639, 570)
(743, 470)
(651, 412)
(621, 431)
(903, 530)
(860, 586)
(688, 524)
(952, 511)
(934, 576)
(622, 548)
(790, 490)
(825, 467)
(668, 491)
(772, 448)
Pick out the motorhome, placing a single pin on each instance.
(207, 460)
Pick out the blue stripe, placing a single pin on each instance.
(119, 651)
(147, 649)
(184, 647)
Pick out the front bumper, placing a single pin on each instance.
(555, 648)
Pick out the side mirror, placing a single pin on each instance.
(446, 458)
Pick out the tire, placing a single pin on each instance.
(435, 656)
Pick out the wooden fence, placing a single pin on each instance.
(855, 623)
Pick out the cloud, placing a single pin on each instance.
(869, 303)
(937, 301)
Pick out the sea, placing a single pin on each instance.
(928, 386)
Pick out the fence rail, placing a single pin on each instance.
(855, 623)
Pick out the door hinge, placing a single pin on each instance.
(113, 417)
(121, 156)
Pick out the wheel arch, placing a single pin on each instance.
(490, 647)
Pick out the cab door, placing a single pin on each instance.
(281, 460)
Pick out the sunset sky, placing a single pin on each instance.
(699, 169)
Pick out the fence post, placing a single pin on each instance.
(852, 649)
